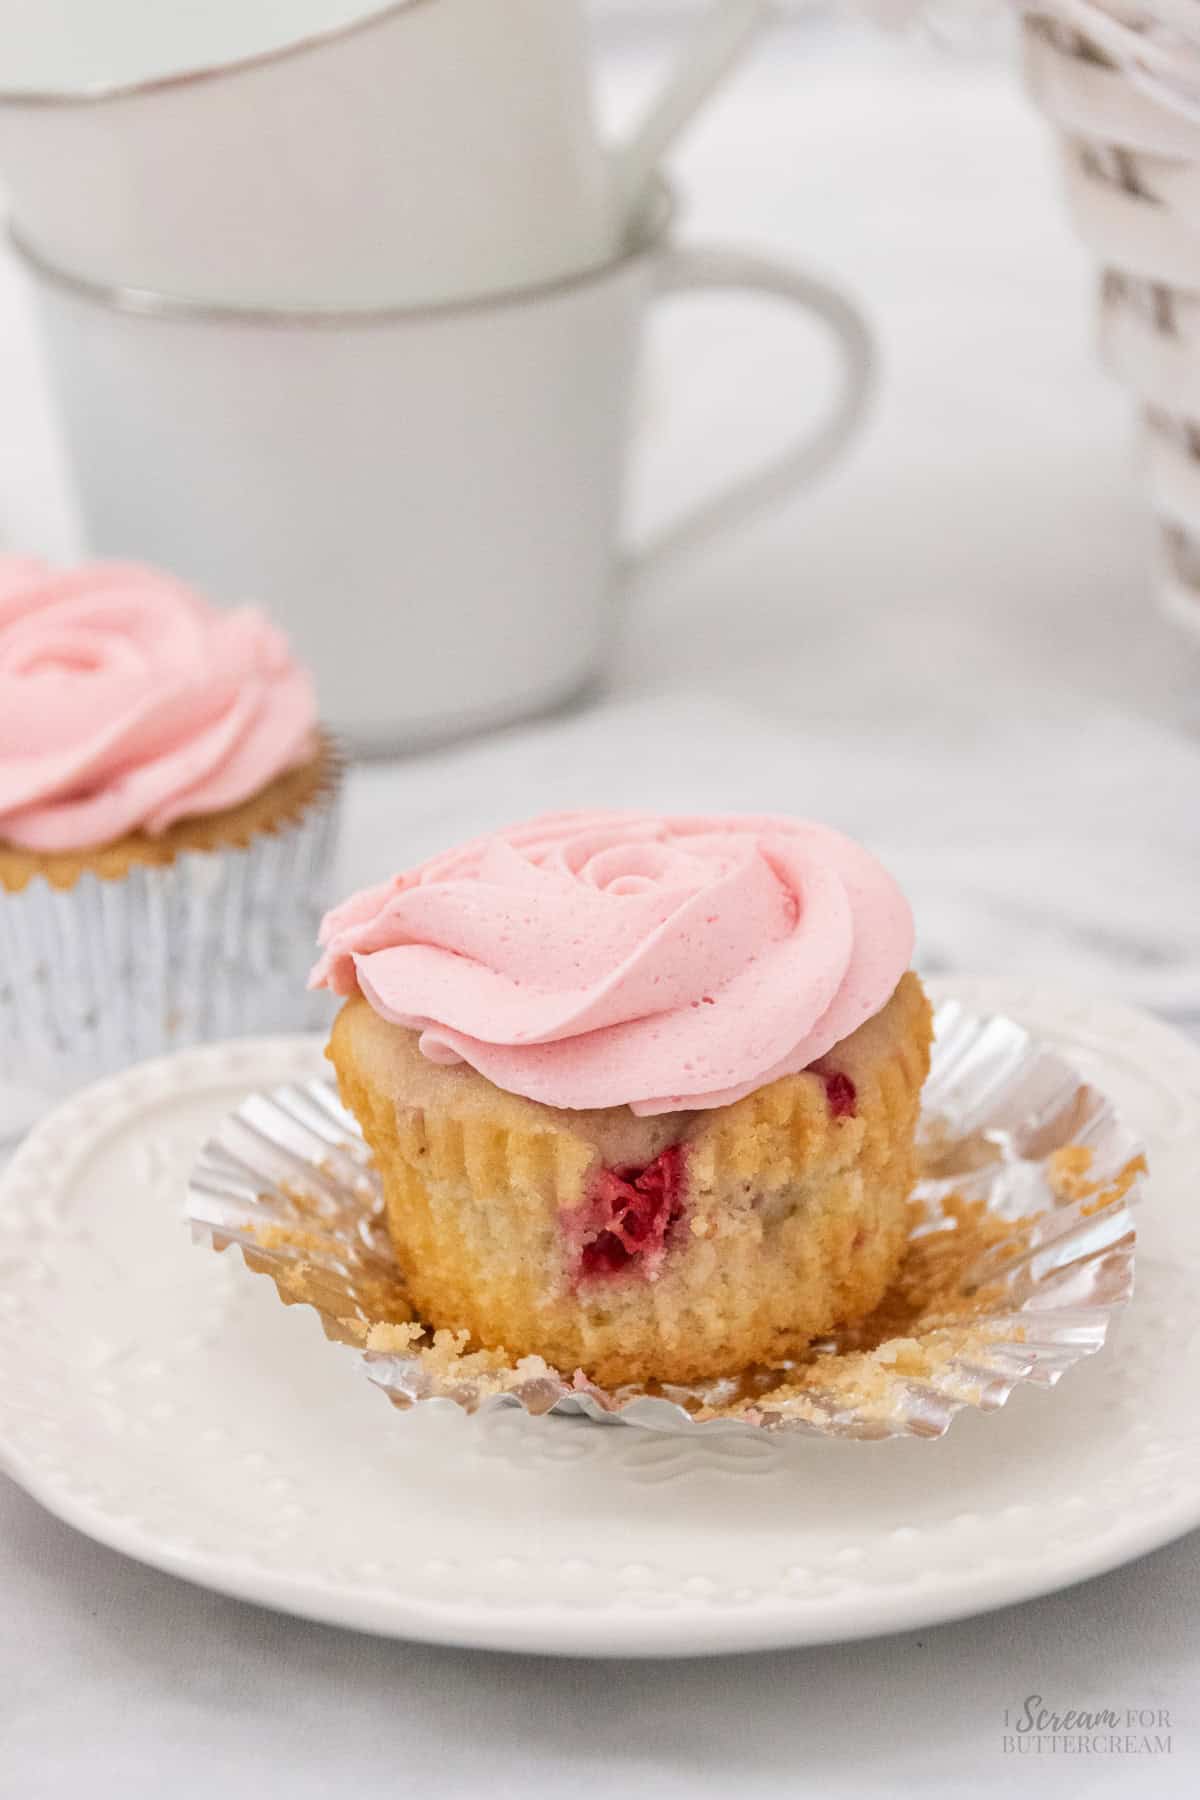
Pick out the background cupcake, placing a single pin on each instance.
(642, 1091)
(167, 810)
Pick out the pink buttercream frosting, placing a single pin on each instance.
(606, 958)
(127, 701)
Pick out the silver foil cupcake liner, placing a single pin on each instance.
(1021, 1248)
(216, 944)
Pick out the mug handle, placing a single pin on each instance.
(724, 33)
(706, 268)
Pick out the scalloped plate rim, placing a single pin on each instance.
(616, 1631)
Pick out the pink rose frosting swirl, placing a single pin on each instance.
(606, 958)
(127, 702)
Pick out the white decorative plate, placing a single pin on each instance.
(162, 1400)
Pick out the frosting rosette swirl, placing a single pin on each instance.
(610, 958)
(127, 701)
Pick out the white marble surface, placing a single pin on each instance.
(949, 648)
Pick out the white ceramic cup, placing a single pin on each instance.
(251, 153)
(430, 501)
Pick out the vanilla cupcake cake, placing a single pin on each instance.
(167, 810)
(642, 1091)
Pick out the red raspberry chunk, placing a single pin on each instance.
(632, 1211)
(841, 1094)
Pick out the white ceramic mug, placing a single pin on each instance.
(429, 500)
(325, 153)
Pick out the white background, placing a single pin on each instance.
(951, 648)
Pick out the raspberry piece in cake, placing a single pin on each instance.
(631, 1216)
(841, 1093)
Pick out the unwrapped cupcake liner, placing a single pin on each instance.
(215, 944)
(1021, 1249)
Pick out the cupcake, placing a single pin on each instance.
(167, 804)
(642, 1091)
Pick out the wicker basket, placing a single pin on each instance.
(1130, 132)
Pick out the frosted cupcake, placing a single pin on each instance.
(642, 1091)
(166, 815)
